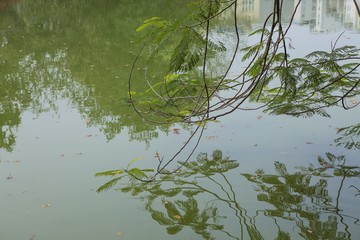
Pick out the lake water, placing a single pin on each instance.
(64, 67)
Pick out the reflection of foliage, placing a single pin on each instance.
(302, 199)
(9, 121)
(350, 137)
(74, 50)
(182, 213)
(332, 162)
(173, 200)
(289, 194)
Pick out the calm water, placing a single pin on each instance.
(64, 117)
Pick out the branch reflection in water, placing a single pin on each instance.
(205, 197)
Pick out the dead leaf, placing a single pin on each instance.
(210, 137)
(177, 216)
(46, 205)
(175, 130)
(259, 117)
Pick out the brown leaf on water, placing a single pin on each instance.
(177, 216)
(259, 117)
(210, 137)
(175, 131)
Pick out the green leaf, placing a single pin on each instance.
(109, 184)
(134, 160)
(110, 173)
(152, 22)
(136, 172)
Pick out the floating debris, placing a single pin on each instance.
(175, 131)
(46, 205)
(210, 137)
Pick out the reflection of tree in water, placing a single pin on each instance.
(9, 121)
(349, 137)
(296, 198)
(74, 50)
(197, 196)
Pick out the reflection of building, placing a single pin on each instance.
(306, 12)
(327, 15)
(259, 10)
(351, 16)
(321, 15)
